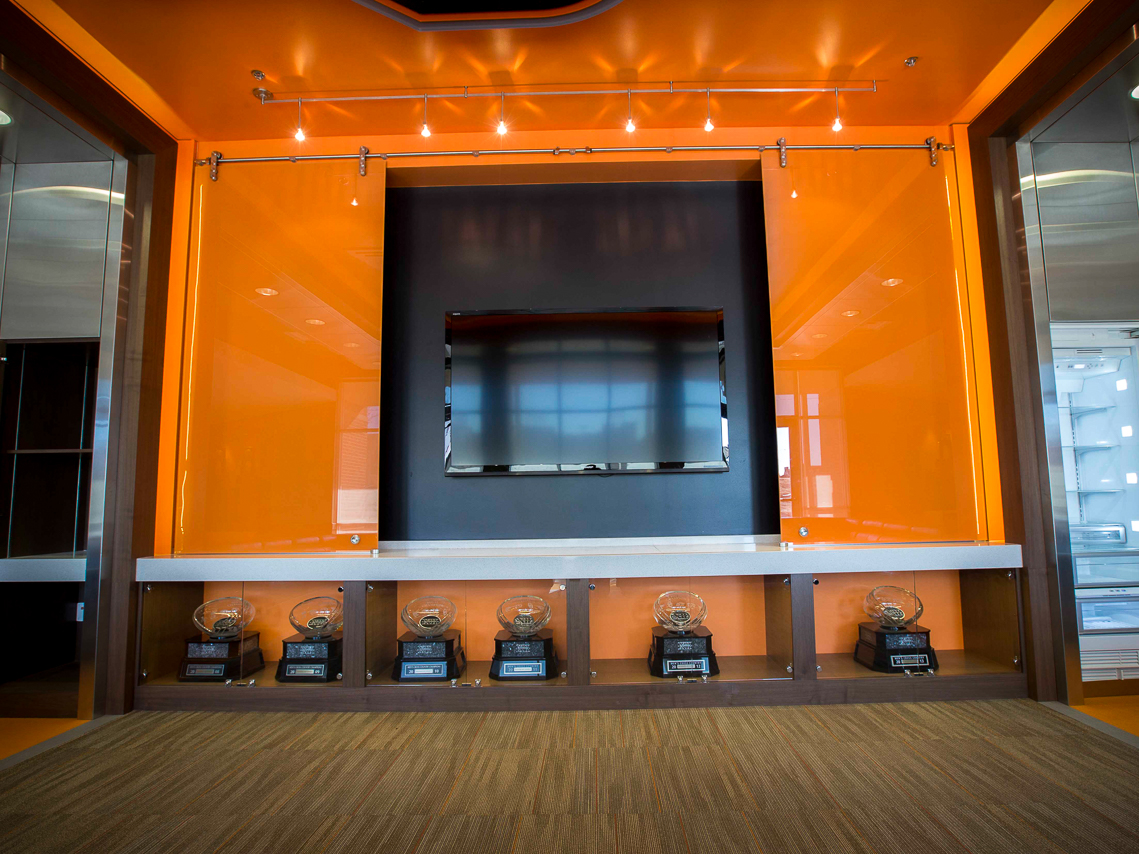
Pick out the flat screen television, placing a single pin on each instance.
(611, 391)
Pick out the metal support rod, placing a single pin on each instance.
(267, 98)
(781, 146)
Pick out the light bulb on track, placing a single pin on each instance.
(355, 203)
(629, 126)
(502, 114)
(794, 194)
(708, 126)
(426, 132)
(837, 126)
(299, 136)
(502, 128)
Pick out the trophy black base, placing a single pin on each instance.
(674, 654)
(524, 659)
(211, 660)
(311, 660)
(438, 659)
(894, 650)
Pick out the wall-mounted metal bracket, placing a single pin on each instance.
(215, 159)
(363, 160)
(782, 142)
(262, 95)
(932, 143)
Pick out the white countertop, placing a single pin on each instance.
(585, 558)
(49, 568)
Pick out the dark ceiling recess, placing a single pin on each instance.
(428, 15)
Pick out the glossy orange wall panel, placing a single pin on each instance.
(873, 391)
(478, 603)
(621, 614)
(278, 443)
(839, 598)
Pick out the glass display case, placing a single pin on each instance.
(259, 633)
(439, 633)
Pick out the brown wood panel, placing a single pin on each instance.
(1111, 688)
(989, 619)
(382, 621)
(355, 662)
(803, 626)
(777, 613)
(166, 614)
(576, 654)
(662, 694)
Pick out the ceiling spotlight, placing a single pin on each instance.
(312, 321)
(355, 203)
(5, 119)
(502, 114)
(911, 61)
(794, 194)
(852, 313)
(257, 75)
(891, 283)
(708, 126)
(266, 292)
(629, 126)
(426, 132)
(837, 126)
(299, 136)
(1135, 93)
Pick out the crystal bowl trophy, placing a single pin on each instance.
(524, 649)
(681, 645)
(893, 642)
(224, 650)
(316, 652)
(430, 651)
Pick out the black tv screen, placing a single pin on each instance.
(585, 392)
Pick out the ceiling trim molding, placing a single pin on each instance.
(442, 23)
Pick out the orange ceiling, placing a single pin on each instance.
(198, 56)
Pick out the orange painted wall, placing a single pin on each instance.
(478, 603)
(621, 614)
(839, 598)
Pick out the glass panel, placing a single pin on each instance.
(468, 652)
(747, 630)
(873, 389)
(279, 442)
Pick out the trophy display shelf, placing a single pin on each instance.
(430, 651)
(524, 649)
(681, 645)
(893, 642)
(224, 650)
(315, 654)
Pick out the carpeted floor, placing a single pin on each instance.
(1001, 776)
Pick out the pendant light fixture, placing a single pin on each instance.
(299, 136)
(837, 126)
(629, 126)
(426, 132)
(708, 126)
(502, 115)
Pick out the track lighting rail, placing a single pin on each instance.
(931, 145)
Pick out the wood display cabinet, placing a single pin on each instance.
(778, 638)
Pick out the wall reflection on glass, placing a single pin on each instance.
(868, 318)
(279, 441)
(552, 392)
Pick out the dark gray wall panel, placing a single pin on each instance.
(577, 246)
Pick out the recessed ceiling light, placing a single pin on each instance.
(819, 335)
(312, 321)
(5, 119)
(891, 283)
(266, 292)
(911, 61)
(852, 313)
